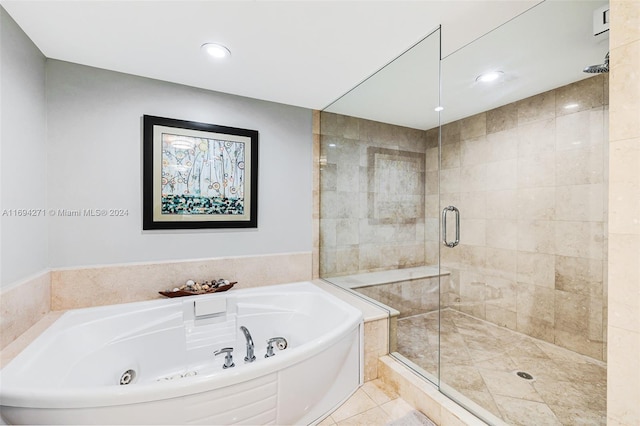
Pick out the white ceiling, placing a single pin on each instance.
(303, 53)
(309, 53)
(542, 49)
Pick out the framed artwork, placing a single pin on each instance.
(198, 175)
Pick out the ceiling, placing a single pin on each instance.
(308, 53)
(302, 53)
(545, 48)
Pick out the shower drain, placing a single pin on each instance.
(524, 375)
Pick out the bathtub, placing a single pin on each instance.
(163, 350)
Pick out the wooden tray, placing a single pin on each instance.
(181, 293)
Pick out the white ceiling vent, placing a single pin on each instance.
(601, 20)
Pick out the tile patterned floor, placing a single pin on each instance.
(376, 404)
(480, 360)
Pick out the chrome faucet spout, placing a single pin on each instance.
(250, 356)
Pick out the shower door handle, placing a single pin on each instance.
(444, 226)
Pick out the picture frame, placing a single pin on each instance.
(198, 175)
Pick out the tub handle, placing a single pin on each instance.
(280, 342)
(228, 358)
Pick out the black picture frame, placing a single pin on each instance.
(198, 175)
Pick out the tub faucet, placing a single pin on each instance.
(250, 356)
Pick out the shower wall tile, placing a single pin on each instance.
(536, 203)
(328, 261)
(530, 181)
(584, 94)
(502, 262)
(503, 145)
(347, 258)
(571, 311)
(500, 175)
(473, 127)
(579, 239)
(579, 275)
(535, 108)
(580, 129)
(535, 327)
(472, 178)
(431, 164)
(537, 138)
(578, 343)
(535, 301)
(502, 118)
(432, 138)
(474, 151)
(537, 170)
(580, 202)
(502, 317)
(536, 176)
(473, 204)
(501, 293)
(450, 155)
(537, 236)
(450, 133)
(536, 268)
(329, 177)
(501, 204)
(450, 181)
(347, 232)
(474, 231)
(580, 166)
(502, 234)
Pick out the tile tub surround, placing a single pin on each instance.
(23, 305)
(108, 285)
(531, 184)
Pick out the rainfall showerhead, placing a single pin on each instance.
(597, 69)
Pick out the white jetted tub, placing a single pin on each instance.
(153, 362)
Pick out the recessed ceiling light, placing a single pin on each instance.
(216, 50)
(488, 77)
(438, 108)
(571, 106)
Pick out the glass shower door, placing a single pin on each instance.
(379, 226)
(523, 187)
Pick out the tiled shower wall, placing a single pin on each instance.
(530, 181)
(373, 181)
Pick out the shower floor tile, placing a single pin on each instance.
(480, 361)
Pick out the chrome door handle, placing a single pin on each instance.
(444, 226)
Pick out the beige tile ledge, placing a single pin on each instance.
(370, 311)
(21, 342)
(135, 282)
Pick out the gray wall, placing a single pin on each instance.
(95, 161)
(71, 139)
(22, 154)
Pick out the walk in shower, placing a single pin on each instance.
(475, 212)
